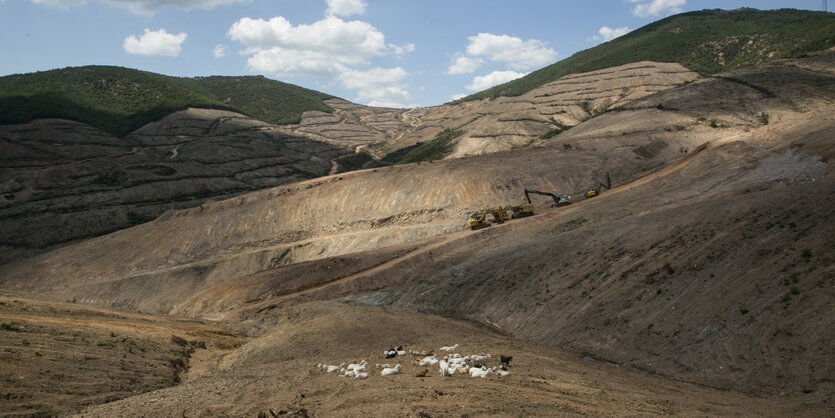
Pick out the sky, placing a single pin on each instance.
(394, 53)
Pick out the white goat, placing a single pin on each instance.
(455, 367)
(501, 373)
(390, 371)
(444, 368)
(353, 366)
(448, 349)
(381, 366)
(429, 361)
(481, 372)
(360, 376)
(476, 357)
(458, 359)
(479, 360)
(331, 369)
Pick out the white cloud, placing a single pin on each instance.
(606, 33)
(646, 8)
(283, 62)
(517, 53)
(378, 86)
(61, 4)
(220, 51)
(149, 7)
(345, 7)
(146, 7)
(155, 43)
(464, 65)
(459, 96)
(328, 43)
(402, 49)
(495, 78)
(330, 49)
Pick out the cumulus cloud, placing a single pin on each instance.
(646, 8)
(220, 51)
(330, 49)
(345, 7)
(61, 4)
(402, 49)
(495, 78)
(464, 65)
(378, 86)
(606, 33)
(517, 53)
(146, 7)
(330, 43)
(155, 43)
(459, 96)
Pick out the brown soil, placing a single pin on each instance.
(278, 372)
(705, 276)
(60, 357)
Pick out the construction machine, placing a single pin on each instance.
(500, 214)
(558, 200)
(478, 219)
(521, 211)
(594, 191)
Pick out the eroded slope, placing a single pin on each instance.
(62, 181)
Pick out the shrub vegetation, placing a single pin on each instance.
(707, 41)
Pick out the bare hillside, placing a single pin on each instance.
(62, 181)
(703, 282)
(495, 125)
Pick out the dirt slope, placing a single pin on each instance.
(191, 249)
(62, 181)
(714, 270)
(494, 125)
(278, 372)
(709, 263)
(61, 357)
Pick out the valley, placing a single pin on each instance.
(207, 263)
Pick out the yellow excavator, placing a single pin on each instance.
(522, 211)
(594, 191)
(478, 219)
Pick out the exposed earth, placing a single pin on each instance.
(701, 283)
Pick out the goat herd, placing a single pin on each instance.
(450, 364)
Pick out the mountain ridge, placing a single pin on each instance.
(707, 41)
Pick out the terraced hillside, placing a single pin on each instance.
(120, 100)
(708, 42)
(703, 281)
(494, 125)
(61, 181)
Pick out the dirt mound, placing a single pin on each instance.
(60, 357)
(278, 372)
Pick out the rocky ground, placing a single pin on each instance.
(63, 181)
(702, 283)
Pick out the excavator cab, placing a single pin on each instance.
(500, 214)
(478, 220)
(563, 200)
(594, 191)
(522, 211)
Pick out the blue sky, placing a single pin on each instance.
(387, 53)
